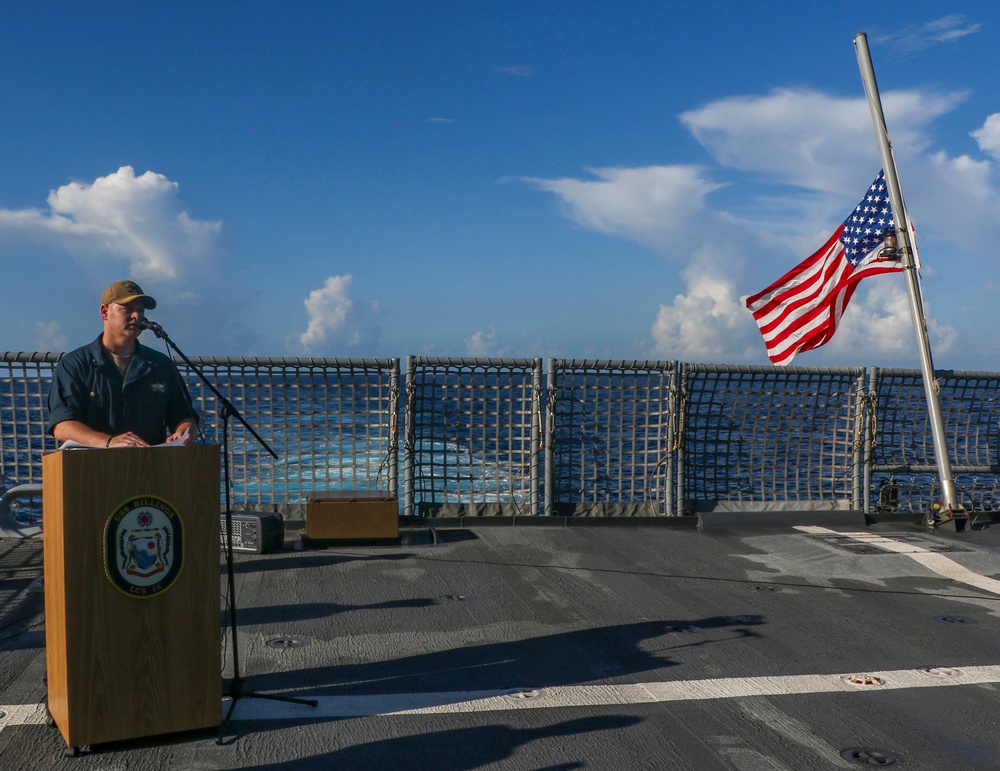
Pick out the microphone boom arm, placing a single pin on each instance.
(226, 407)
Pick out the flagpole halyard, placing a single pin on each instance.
(951, 508)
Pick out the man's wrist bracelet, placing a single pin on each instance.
(108, 443)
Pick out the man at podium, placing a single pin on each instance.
(116, 392)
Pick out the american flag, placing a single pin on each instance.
(800, 310)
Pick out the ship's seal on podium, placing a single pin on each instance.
(144, 546)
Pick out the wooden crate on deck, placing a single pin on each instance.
(352, 515)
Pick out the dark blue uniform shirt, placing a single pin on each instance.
(150, 401)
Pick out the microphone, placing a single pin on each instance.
(152, 326)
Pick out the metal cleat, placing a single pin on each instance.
(939, 515)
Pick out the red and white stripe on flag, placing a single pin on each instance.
(800, 311)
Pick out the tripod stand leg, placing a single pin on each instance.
(288, 699)
(225, 722)
(237, 692)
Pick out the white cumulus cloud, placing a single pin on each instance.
(708, 321)
(808, 138)
(988, 135)
(880, 323)
(705, 324)
(327, 308)
(335, 319)
(49, 336)
(482, 343)
(653, 205)
(138, 219)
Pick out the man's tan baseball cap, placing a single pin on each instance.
(124, 292)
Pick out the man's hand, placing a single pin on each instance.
(128, 439)
(183, 434)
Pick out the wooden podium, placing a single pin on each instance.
(132, 625)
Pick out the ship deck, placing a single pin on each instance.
(609, 646)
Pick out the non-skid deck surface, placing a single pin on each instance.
(581, 648)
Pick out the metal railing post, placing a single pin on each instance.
(858, 455)
(536, 433)
(681, 402)
(408, 429)
(673, 405)
(393, 451)
(550, 435)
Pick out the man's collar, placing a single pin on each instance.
(96, 351)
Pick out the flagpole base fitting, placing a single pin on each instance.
(939, 515)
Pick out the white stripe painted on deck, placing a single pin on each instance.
(623, 694)
(561, 697)
(22, 714)
(939, 563)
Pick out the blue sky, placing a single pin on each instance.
(586, 179)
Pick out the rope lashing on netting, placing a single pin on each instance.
(393, 432)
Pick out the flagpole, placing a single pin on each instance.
(950, 506)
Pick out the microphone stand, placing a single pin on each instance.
(237, 687)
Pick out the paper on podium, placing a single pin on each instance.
(69, 444)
